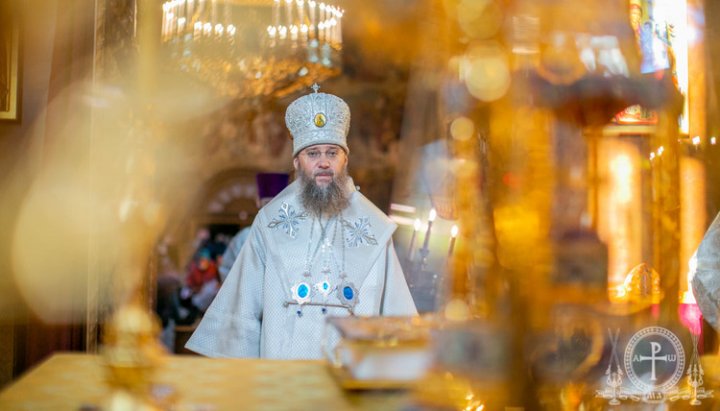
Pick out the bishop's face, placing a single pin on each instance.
(321, 163)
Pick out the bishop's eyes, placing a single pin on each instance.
(316, 154)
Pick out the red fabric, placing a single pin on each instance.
(197, 276)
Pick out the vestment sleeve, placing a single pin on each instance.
(706, 282)
(396, 299)
(231, 326)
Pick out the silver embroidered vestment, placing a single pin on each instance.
(706, 281)
(250, 316)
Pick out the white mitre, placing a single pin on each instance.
(318, 118)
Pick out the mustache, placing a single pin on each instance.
(324, 173)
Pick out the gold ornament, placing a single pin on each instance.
(320, 120)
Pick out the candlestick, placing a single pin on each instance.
(453, 235)
(416, 228)
(431, 218)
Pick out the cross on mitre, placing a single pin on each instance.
(315, 87)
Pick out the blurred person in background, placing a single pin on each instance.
(202, 283)
(268, 186)
(167, 302)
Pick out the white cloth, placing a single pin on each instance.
(249, 317)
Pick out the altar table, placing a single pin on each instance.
(75, 381)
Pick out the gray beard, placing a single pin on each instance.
(329, 200)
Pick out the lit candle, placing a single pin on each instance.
(431, 218)
(294, 35)
(695, 143)
(333, 23)
(288, 12)
(321, 22)
(181, 10)
(276, 13)
(339, 27)
(272, 32)
(416, 228)
(301, 11)
(312, 4)
(171, 24)
(321, 31)
(163, 28)
(304, 33)
(453, 235)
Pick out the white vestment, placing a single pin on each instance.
(251, 317)
(706, 279)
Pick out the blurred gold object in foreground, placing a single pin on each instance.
(378, 352)
(641, 286)
(711, 368)
(449, 391)
(131, 355)
(469, 369)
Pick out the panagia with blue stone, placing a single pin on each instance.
(318, 249)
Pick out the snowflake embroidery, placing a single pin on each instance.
(288, 219)
(358, 233)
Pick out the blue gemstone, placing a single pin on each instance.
(299, 313)
(303, 290)
(325, 286)
(348, 292)
(324, 310)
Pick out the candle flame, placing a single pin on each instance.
(454, 231)
(432, 215)
(417, 224)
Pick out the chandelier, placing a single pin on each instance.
(253, 48)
